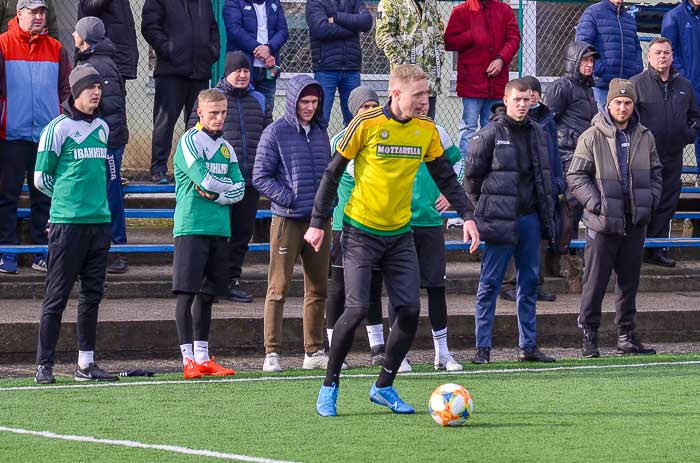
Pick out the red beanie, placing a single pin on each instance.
(311, 90)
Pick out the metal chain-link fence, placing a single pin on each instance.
(546, 27)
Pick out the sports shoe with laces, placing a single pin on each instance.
(44, 375)
(8, 263)
(272, 363)
(93, 373)
(40, 263)
(590, 344)
(482, 356)
(316, 361)
(447, 363)
(237, 294)
(191, 370)
(405, 366)
(628, 343)
(388, 397)
(326, 402)
(211, 368)
(534, 354)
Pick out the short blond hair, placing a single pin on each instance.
(406, 73)
(211, 95)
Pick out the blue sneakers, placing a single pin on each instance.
(8, 263)
(388, 397)
(327, 398)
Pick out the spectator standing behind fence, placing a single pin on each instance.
(258, 28)
(8, 10)
(411, 32)
(291, 158)
(615, 173)
(509, 181)
(667, 106)
(119, 28)
(336, 52)
(99, 51)
(612, 30)
(70, 168)
(485, 35)
(246, 117)
(34, 71)
(185, 37)
(681, 26)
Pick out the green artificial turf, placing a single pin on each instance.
(638, 414)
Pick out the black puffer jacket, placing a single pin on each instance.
(671, 114)
(246, 117)
(113, 102)
(570, 98)
(184, 35)
(491, 179)
(119, 27)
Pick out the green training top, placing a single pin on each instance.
(345, 186)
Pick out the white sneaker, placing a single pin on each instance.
(455, 223)
(447, 363)
(272, 363)
(344, 366)
(405, 366)
(316, 361)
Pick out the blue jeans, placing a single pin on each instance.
(475, 114)
(115, 194)
(601, 97)
(493, 267)
(345, 82)
(266, 86)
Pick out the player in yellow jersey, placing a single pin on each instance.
(387, 145)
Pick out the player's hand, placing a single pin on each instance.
(471, 233)
(494, 67)
(204, 194)
(442, 204)
(314, 236)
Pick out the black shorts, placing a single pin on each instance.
(430, 247)
(200, 265)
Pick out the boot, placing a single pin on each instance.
(628, 343)
(590, 344)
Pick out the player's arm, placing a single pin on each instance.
(328, 190)
(49, 149)
(195, 168)
(237, 190)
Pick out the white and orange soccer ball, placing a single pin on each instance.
(451, 405)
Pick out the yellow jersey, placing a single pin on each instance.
(387, 154)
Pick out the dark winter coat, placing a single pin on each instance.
(491, 180)
(289, 164)
(184, 35)
(543, 116)
(613, 33)
(479, 37)
(119, 27)
(681, 26)
(247, 116)
(672, 114)
(570, 98)
(242, 27)
(594, 177)
(336, 46)
(113, 101)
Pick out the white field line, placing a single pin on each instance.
(347, 376)
(141, 445)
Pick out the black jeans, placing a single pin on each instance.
(172, 94)
(670, 192)
(75, 250)
(17, 160)
(242, 227)
(605, 253)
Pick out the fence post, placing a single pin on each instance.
(520, 49)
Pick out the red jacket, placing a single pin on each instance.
(480, 37)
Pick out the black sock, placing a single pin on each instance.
(201, 316)
(183, 317)
(335, 302)
(398, 344)
(343, 336)
(437, 308)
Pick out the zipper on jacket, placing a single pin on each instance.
(244, 137)
(629, 185)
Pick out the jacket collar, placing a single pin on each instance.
(14, 29)
(615, 8)
(673, 73)
(604, 123)
(226, 87)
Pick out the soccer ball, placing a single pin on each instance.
(451, 405)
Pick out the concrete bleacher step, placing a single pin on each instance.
(145, 328)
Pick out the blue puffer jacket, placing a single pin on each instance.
(613, 33)
(289, 163)
(681, 26)
(336, 46)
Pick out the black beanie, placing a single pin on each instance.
(236, 60)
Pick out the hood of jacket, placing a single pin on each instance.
(572, 61)
(604, 123)
(226, 87)
(69, 109)
(103, 48)
(295, 87)
(14, 29)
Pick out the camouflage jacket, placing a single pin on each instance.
(408, 37)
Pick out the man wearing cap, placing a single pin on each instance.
(70, 163)
(246, 117)
(291, 157)
(34, 71)
(668, 107)
(616, 175)
(99, 51)
(8, 10)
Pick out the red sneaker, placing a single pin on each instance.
(211, 368)
(191, 370)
